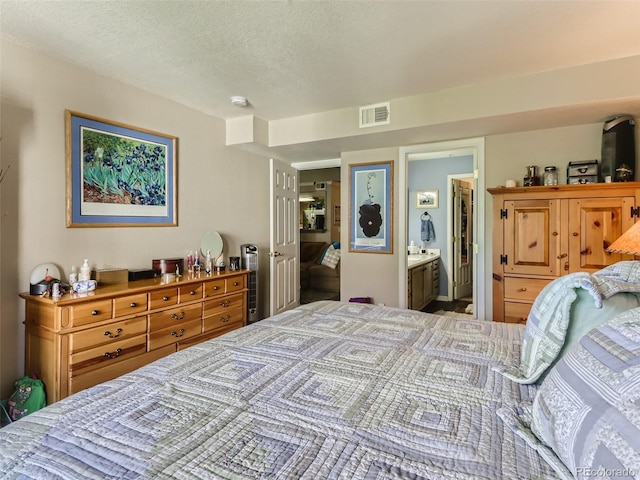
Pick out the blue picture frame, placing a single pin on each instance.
(119, 175)
(371, 207)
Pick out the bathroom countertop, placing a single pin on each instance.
(417, 260)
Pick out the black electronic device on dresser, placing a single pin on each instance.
(618, 149)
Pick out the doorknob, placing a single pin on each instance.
(275, 254)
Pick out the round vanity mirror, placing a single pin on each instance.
(211, 242)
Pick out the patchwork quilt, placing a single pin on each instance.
(328, 390)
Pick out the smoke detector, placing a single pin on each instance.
(239, 101)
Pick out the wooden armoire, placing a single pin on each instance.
(541, 233)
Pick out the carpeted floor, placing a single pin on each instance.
(309, 296)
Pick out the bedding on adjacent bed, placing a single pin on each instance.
(327, 390)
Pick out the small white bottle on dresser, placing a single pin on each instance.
(85, 271)
(73, 275)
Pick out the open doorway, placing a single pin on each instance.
(461, 219)
(320, 225)
(475, 250)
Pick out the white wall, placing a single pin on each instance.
(219, 188)
(369, 274)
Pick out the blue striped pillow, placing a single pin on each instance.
(588, 407)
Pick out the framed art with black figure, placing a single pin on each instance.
(371, 207)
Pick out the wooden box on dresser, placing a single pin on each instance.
(81, 340)
(541, 233)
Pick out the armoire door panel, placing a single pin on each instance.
(532, 236)
(594, 224)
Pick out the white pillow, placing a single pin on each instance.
(331, 257)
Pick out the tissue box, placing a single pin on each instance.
(111, 276)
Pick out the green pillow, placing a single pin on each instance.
(584, 316)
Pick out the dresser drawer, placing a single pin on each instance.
(91, 312)
(116, 351)
(222, 305)
(223, 320)
(182, 331)
(174, 317)
(107, 334)
(81, 380)
(208, 335)
(234, 284)
(523, 289)
(516, 312)
(129, 305)
(163, 298)
(191, 292)
(213, 288)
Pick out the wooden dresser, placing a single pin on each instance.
(81, 340)
(541, 233)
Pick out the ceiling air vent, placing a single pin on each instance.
(374, 115)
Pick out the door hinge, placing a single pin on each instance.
(635, 212)
(503, 259)
(503, 213)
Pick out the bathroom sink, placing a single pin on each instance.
(414, 260)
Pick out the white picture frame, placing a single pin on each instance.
(427, 199)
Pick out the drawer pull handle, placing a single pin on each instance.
(94, 312)
(562, 255)
(225, 303)
(178, 334)
(112, 355)
(225, 319)
(133, 304)
(235, 284)
(216, 288)
(177, 317)
(111, 335)
(165, 298)
(523, 289)
(192, 292)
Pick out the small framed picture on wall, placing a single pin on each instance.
(427, 199)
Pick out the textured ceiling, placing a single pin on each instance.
(292, 58)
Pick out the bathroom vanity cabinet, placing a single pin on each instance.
(423, 282)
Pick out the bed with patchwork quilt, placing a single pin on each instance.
(327, 390)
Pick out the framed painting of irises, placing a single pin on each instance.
(118, 175)
(371, 207)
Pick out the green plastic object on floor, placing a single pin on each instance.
(28, 397)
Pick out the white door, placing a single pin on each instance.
(462, 241)
(284, 237)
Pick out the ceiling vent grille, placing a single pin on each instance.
(374, 115)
